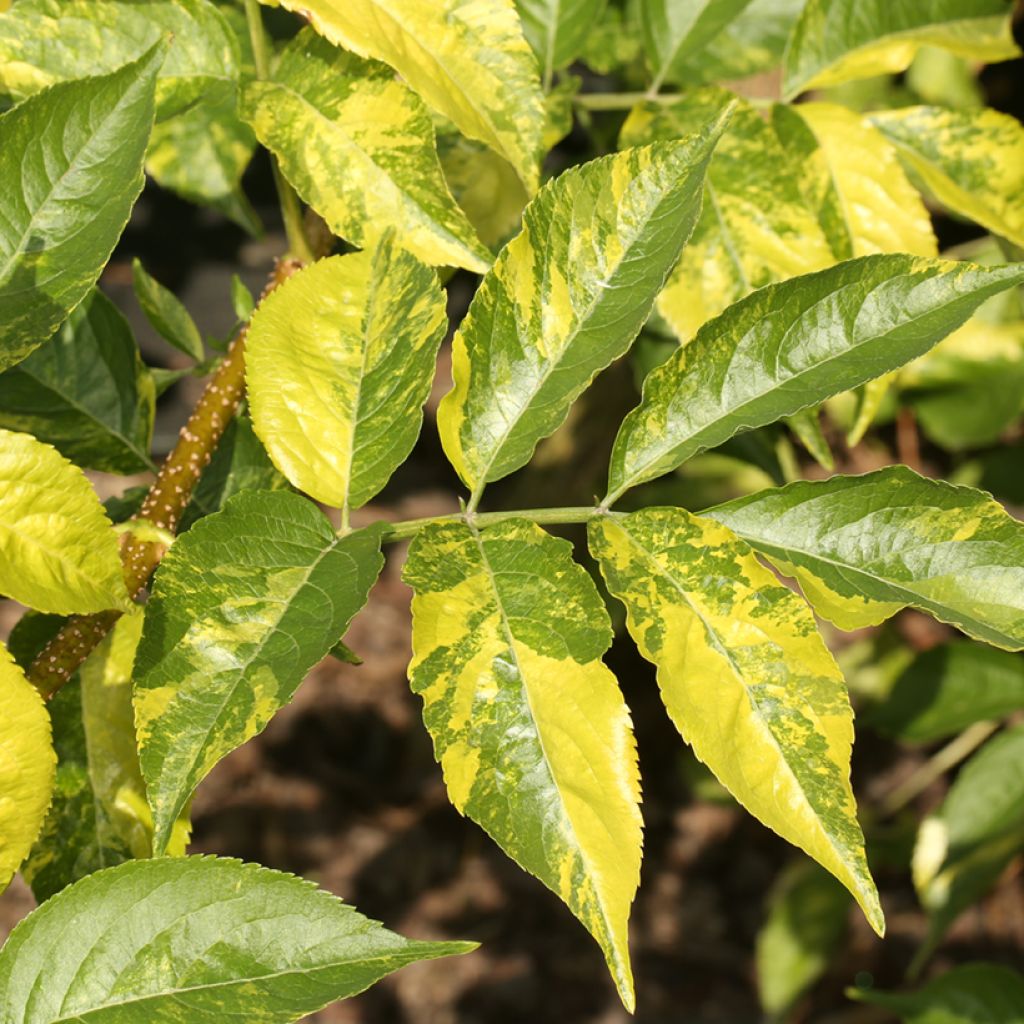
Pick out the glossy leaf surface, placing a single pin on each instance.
(468, 59)
(340, 360)
(746, 678)
(755, 227)
(531, 731)
(972, 161)
(27, 766)
(864, 547)
(566, 297)
(77, 150)
(838, 40)
(58, 552)
(85, 391)
(242, 607)
(196, 940)
(792, 345)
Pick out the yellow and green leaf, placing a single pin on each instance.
(838, 40)
(27, 766)
(339, 362)
(755, 227)
(58, 552)
(746, 678)
(532, 733)
(566, 297)
(972, 161)
(359, 147)
(467, 59)
(864, 547)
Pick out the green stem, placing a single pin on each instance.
(628, 100)
(291, 210)
(542, 516)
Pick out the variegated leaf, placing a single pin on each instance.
(468, 59)
(529, 726)
(755, 227)
(566, 297)
(972, 161)
(339, 362)
(838, 40)
(58, 552)
(557, 30)
(195, 940)
(27, 766)
(359, 147)
(746, 678)
(864, 547)
(243, 606)
(792, 345)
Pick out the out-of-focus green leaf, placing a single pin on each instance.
(791, 345)
(86, 392)
(806, 923)
(613, 41)
(77, 151)
(806, 424)
(242, 300)
(558, 29)
(195, 939)
(170, 319)
(243, 606)
(948, 688)
(863, 547)
(838, 40)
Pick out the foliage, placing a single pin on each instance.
(767, 266)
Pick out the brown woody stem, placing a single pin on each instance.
(163, 507)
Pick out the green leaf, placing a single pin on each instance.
(170, 319)
(566, 297)
(851, 177)
(243, 606)
(806, 924)
(242, 301)
(838, 40)
(27, 766)
(86, 392)
(676, 30)
(359, 148)
(964, 846)
(948, 688)
(977, 993)
(792, 345)
(43, 42)
(77, 151)
(239, 463)
(746, 678)
(58, 552)
(468, 60)
(558, 29)
(806, 424)
(196, 939)
(531, 731)
(972, 161)
(755, 227)
(864, 547)
(99, 815)
(339, 362)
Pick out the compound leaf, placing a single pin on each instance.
(530, 728)
(566, 297)
(195, 938)
(837, 40)
(27, 766)
(243, 606)
(58, 552)
(864, 547)
(339, 362)
(971, 160)
(468, 59)
(86, 391)
(77, 151)
(746, 678)
(755, 227)
(792, 345)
